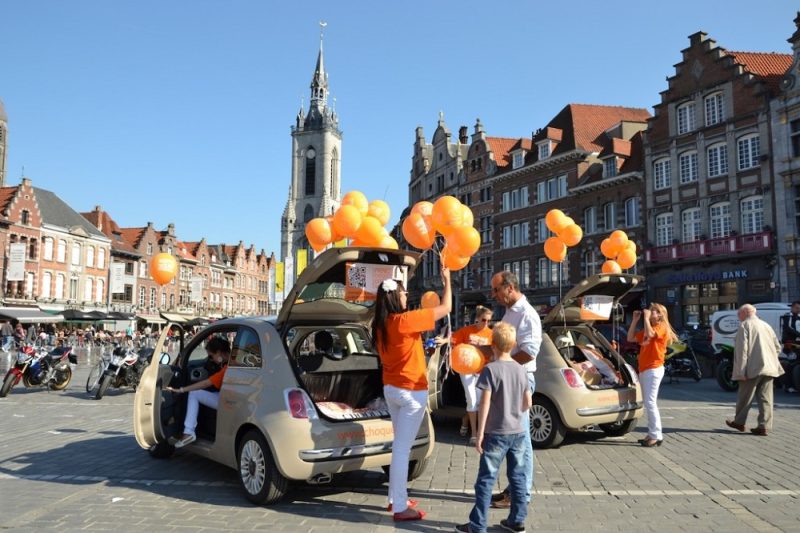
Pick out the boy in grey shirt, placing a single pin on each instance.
(502, 413)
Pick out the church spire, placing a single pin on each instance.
(319, 83)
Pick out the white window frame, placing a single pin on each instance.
(590, 220)
(752, 212)
(525, 233)
(44, 290)
(714, 105)
(142, 297)
(610, 216)
(610, 167)
(665, 230)
(101, 258)
(748, 151)
(589, 263)
(717, 160)
(90, 256)
(48, 249)
(719, 215)
(632, 212)
(506, 237)
(75, 257)
(662, 173)
(87, 290)
(61, 251)
(518, 160)
(60, 282)
(543, 149)
(686, 117)
(687, 163)
(691, 224)
(506, 201)
(542, 232)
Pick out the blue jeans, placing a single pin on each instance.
(8, 342)
(495, 449)
(529, 447)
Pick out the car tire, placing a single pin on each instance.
(162, 450)
(547, 430)
(258, 474)
(415, 469)
(618, 429)
(724, 376)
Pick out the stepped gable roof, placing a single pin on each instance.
(110, 229)
(501, 146)
(6, 195)
(584, 125)
(56, 212)
(193, 246)
(767, 65)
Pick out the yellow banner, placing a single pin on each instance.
(279, 278)
(302, 261)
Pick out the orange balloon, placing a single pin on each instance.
(347, 220)
(631, 246)
(447, 214)
(571, 235)
(555, 250)
(318, 230)
(380, 210)
(418, 231)
(317, 246)
(467, 216)
(556, 220)
(356, 244)
(430, 300)
(607, 250)
(388, 242)
(423, 207)
(626, 258)
(619, 240)
(611, 267)
(452, 260)
(335, 236)
(466, 359)
(370, 232)
(163, 268)
(464, 241)
(357, 200)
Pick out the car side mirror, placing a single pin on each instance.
(164, 360)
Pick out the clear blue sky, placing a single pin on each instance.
(179, 111)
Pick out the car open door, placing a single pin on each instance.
(147, 403)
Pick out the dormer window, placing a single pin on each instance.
(610, 167)
(544, 149)
(518, 160)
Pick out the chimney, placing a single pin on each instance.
(462, 135)
(171, 229)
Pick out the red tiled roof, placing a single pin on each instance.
(768, 65)
(193, 246)
(621, 147)
(183, 251)
(584, 125)
(554, 134)
(6, 194)
(501, 146)
(132, 235)
(103, 221)
(230, 250)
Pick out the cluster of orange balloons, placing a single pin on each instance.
(163, 268)
(620, 252)
(452, 219)
(568, 234)
(357, 219)
(466, 359)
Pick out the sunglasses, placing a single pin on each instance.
(485, 320)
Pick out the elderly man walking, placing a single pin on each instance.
(755, 366)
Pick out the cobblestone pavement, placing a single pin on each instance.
(71, 463)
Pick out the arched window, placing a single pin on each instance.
(311, 171)
(720, 217)
(662, 173)
(691, 221)
(61, 252)
(60, 279)
(664, 229)
(45, 289)
(748, 148)
(308, 213)
(48, 248)
(687, 163)
(100, 293)
(752, 209)
(76, 253)
(87, 290)
(717, 160)
(632, 217)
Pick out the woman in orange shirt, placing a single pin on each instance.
(478, 334)
(396, 334)
(653, 339)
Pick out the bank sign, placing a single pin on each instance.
(707, 277)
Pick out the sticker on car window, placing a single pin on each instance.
(363, 279)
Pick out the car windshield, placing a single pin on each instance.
(329, 290)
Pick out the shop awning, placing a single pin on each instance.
(177, 318)
(117, 315)
(29, 315)
(151, 319)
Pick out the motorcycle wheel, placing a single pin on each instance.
(26, 381)
(7, 384)
(62, 378)
(94, 377)
(697, 373)
(104, 384)
(724, 376)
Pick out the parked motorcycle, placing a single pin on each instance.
(725, 368)
(124, 369)
(681, 361)
(38, 367)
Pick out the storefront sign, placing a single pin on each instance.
(196, 286)
(16, 262)
(117, 278)
(705, 277)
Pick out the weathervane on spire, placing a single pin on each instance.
(322, 25)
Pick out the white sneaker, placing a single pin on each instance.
(185, 440)
(463, 431)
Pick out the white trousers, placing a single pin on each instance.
(651, 381)
(406, 408)
(196, 397)
(471, 392)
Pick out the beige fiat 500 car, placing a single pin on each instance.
(581, 382)
(302, 397)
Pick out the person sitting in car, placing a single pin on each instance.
(219, 351)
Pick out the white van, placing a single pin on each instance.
(725, 323)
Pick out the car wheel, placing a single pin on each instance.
(618, 429)
(260, 478)
(547, 430)
(724, 376)
(162, 450)
(415, 469)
